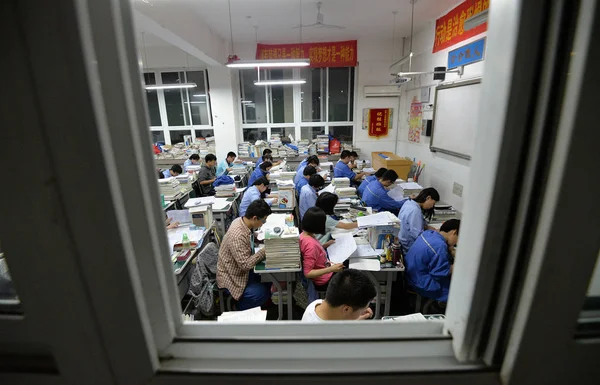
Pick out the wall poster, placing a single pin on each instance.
(415, 121)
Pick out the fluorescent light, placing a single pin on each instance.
(199, 95)
(196, 102)
(171, 86)
(269, 63)
(278, 82)
(476, 20)
(247, 101)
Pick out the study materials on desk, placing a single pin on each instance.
(254, 315)
(325, 164)
(384, 218)
(286, 196)
(366, 251)
(345, 192)
(193, 168)
(443, 212)
(341, 182)
(169, 187)
(410, 188)
(176, 235)
(225, 190)
(366, 264)
(221, 203)
(416, 317)
(369, 170)
(181, 216)
(343, 248)
(193, 202)
(329, 189)
(282, 248)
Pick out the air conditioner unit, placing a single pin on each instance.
(381, 91)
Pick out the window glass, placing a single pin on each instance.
(311, 132)
(177, 136)
(284, 131)
(204, 133)
(311, 94)
(341, 98)
(199, 98)
(254, 107)
(342, 133)
(158, 136)
(175, 100)
(282, 97)
(254, 134)
(152, 100)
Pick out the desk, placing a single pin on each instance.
(169, 205)
(221, 215)
(387, 275)
(183, 272)
(276, 275)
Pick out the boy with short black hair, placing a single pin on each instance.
(347, 298)
(193, 160)
(306, 174)
(175, 170)
(376, 194)
(207, 175)
(226, 164)
(308, 194)
(342, 170)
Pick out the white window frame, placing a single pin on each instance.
(110, 315)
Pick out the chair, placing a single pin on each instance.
(203, 282)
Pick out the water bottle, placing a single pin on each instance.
(186, 241)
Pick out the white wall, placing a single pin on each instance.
(168, 57)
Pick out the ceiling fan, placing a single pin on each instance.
(319, 23)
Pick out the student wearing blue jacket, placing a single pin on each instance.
(193, 160)
(226, 164)
(369, 179)
(308, 194)
(260, 171)
(376, 194)
(414, 215)
(430, 261)
(341, 169)
(312, 160)
(254, 192)
(306, 174)
(175, 170)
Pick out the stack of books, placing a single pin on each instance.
(409, 188)
(225, 191)
(185, 181)
(323, 144)
(443, 212)
(244, 150)
(345, 192)
(340, 182)
(194, 167)
(275, 141)
(169, 187)
(282, 250)
(303, 147)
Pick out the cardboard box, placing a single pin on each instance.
(391, 161)
(202, 216)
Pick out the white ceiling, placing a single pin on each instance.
(364, 19)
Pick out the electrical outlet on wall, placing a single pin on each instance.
(457, 189)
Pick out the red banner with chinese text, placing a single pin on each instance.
(379, 121)
(332, 54)
(449, 29)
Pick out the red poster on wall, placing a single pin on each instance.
(450, 28)
(331, 54)
(379, 121)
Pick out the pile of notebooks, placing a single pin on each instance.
(282, 250)
(345, 192)
(169, 187)
(409, 188)
(443, 212)
(225, 190)
(283, 175)
(322, 144)
(185, 181)
(340, 182)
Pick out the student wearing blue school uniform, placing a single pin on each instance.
(307, 173)
(312, 160)
(269, 156)
(369, 179)
(376, 194)
(260, 171)
(413, 216)
(308, 194)
(430, 261)
(175, 170)
(341, 169)
(327, 201)
(254, 192)
(193, 160)
(226, 164)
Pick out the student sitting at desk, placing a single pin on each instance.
(376, 194)
(226, 164)
(353, 158)
(342, 170)
(412, 221)
(369, 179)
(347, 298)
(261, 171)
(314, 257)
(430, 261)
(269, 154)
(193, 160)
(306, 174)
(327, 202)
(312, 160)
(237, 259)
(254, 192)
(308, 194)
(207, 175)
(175, 170)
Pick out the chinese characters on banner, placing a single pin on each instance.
(332, 54)
(415, 124)
(449, 29)
(377, 121)
(467, 54)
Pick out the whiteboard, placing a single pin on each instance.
(455, 118)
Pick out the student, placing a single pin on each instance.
(353, 158)
(207, 175)
(269, 153)
(411, 218)
(254, 192)
(376, 194)
(308, 194)
(307, 173)
(430, 261)
(369, 179)
(260, 172)
(237, 259)
(342, 170)
(193, 160)
(312, 160)
(314, 257)
(226, 165)
(348, 296)
(173, 171)
(327, 202)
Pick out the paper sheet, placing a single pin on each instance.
(367, 264)
(383, 218)
(253, 315)
(193, 202)
(369, 170)
(416, 317)
(329, 189)
(181, 216)
(342, 249)
(366, 251)
(411, 186)
(176, 235)
(221, 204)
(396, 194)
(325, 164)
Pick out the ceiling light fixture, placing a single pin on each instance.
(278, 82)
(459, 71)
(197, 102)
(170, 86)
(199, 95)
(269, 63)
